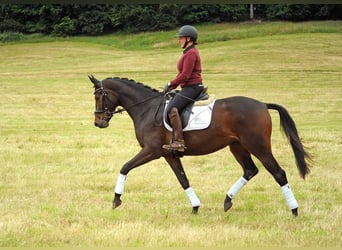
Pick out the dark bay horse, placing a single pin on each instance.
(242, 123)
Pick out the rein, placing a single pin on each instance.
(135, 104)
(109, 114)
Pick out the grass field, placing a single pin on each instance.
(58, 171)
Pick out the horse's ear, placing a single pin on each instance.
(93, 80)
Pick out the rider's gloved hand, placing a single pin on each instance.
(167, 88)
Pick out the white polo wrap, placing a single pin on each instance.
(120, 184)
(232, 192)
(290, 199)
(195, 202)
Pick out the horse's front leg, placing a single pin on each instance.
(144, 156)
(178, 169)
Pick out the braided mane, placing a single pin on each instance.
(134, 82)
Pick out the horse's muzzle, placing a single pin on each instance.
(101, 124)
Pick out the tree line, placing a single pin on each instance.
(97, 19)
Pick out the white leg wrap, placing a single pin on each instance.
(195, 202)
(232, 192)
(290, 199)
(120, 184)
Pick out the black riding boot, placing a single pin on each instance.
(178, 140)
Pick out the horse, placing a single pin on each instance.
(242, 123)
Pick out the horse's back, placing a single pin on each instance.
(241, 104)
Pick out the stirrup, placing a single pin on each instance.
(175, 145)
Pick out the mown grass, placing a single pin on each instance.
(58, 171)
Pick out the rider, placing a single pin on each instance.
(189, 78)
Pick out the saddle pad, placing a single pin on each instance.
(200, 117)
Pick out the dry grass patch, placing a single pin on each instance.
(58, 171)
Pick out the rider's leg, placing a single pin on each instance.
(178, 139)
(178, 103)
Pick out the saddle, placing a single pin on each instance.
(196, 115)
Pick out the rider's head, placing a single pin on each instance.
(189, 34)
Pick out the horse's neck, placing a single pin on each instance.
(133, 98)
(139, 101)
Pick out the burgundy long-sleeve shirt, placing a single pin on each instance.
(189, 68)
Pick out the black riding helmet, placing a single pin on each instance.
(188, 31)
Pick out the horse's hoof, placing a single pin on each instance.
(195, 210)
(295, 212)
(116, 203)
(227, 204)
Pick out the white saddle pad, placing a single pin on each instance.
(200, 117)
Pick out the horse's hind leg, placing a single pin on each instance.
(279, 175)
(249, 171)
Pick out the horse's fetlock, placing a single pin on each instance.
(281, 178)
(250, 174)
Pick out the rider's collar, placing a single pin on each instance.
(188, 48)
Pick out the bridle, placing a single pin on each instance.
(108, 114)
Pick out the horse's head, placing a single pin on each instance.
(106, 101)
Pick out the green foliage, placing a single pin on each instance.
(229, 13)
(135, 18)
(11, 25)
(91, 19)
(302, 12)
(65, 27)
(11, 36)
(293, 12)
(96, 19)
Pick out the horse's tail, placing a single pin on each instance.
(289, 127)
